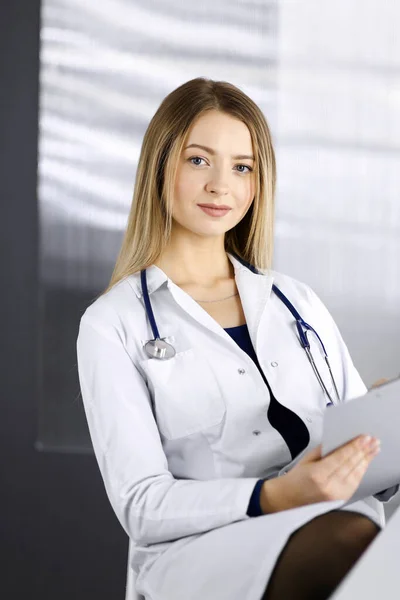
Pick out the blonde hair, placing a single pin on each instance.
(149, 224)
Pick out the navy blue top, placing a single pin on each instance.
(290, 426)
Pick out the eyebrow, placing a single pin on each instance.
(211, 151)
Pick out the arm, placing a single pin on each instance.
(151, 505)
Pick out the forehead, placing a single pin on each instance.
(219, 130)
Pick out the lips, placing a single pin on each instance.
(215, 206)
(214, 210)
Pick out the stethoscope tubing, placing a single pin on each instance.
(149, 309)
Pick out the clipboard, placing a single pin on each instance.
(376, 413)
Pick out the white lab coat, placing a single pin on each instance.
(181, 443)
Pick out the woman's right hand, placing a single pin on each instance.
(336, 476)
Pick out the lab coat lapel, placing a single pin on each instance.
(255, 291)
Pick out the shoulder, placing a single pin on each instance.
(294, 289)
(306, 301)
(110, 310)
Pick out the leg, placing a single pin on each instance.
(318, 555)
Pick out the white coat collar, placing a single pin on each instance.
(254, 291)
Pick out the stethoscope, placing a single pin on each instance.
(159, 348)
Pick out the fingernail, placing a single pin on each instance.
(365, 440)
(375, 443)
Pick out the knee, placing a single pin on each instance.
(354, 533)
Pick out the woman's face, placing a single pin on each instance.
(221, 172)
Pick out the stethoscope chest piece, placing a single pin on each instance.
(159, 348)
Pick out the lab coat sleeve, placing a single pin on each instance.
(352, 384)
(151, 505)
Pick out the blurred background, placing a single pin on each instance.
(79, 83)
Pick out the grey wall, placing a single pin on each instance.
(59, 536)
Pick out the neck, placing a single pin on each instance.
(190, 265)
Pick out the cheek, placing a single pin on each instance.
(185, 185)
(247, 190)
(181, 188)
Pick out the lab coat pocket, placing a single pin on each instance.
(186, 395)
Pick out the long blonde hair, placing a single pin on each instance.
(149, 224)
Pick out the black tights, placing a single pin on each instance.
(318, 555)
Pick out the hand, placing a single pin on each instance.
(336, 476)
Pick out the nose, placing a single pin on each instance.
(217, 186)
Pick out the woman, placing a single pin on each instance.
(191, 447)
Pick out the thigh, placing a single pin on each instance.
(319, 554)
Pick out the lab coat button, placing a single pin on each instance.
(256, 432)
(308, 419)
(241, 371)
(274, 363)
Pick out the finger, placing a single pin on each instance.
(369, 454)
(360, 459)
(358, 472)
(335, 459)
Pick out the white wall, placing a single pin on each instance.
(338, 138)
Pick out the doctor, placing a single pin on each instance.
(204, 405)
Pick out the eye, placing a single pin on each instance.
(246, 167)
(249, 169)
(195, 158)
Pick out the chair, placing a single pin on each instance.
(130, 592)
